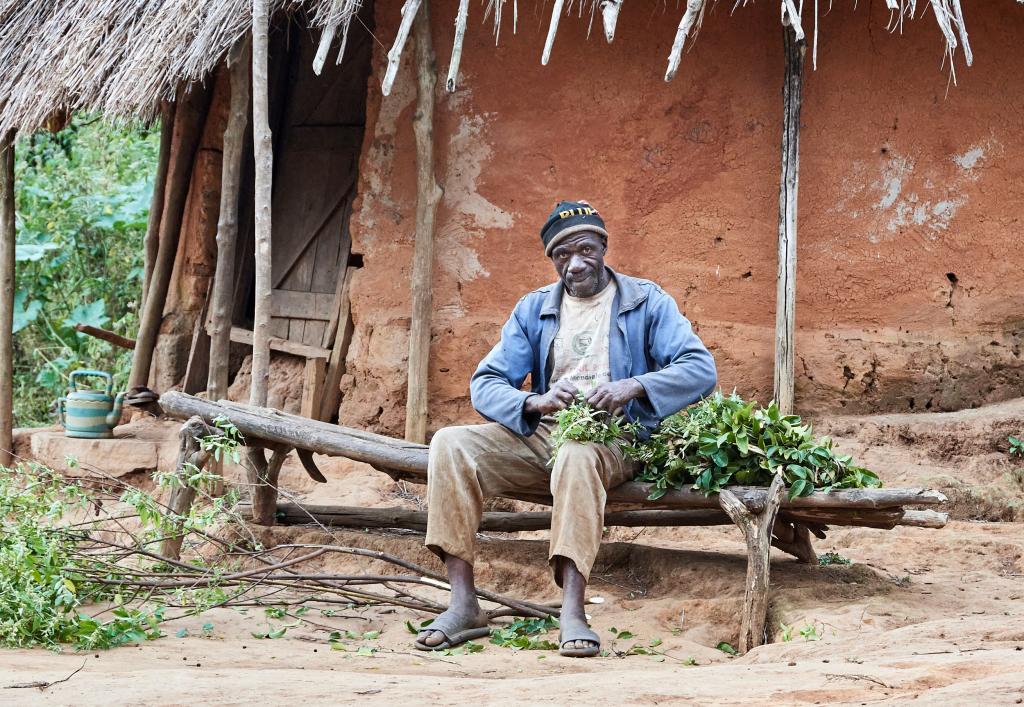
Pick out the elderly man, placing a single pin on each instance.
(617, 340)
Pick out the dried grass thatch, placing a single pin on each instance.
(121, 57)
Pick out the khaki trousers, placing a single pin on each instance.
(471, 462)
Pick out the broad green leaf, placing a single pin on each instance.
(24, 312)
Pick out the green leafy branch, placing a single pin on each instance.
(721, 441)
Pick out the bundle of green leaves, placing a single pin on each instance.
(582, 423)
(721, 441)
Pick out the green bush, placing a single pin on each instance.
(82, 204)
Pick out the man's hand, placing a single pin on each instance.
(613, 396)
(558, 398)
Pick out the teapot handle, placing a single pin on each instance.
(72, 386)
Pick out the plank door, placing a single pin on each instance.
(316, 160)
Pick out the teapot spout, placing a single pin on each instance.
(115, 415)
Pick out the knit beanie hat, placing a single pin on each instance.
(568, 218)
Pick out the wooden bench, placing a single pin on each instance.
(764, 514)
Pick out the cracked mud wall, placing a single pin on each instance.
(910, 201)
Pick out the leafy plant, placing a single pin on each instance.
(467, 648)
(809, 632)
(82, 203)
(727, 648)
(526, 634)
(832, 558)
(1016, 447)
(722, 440)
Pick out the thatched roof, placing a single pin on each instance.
(121, 57)
(118, 57)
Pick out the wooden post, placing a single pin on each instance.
(331, 396)
(313, 387)
(427, 196)
(549, 42)
(156, 203)
(409, 11)
(785, 296)
(180, 501)
(757, 531)
(460, 35)
(106, 335)
(227, 224)
(7, 243)
(263, 476)
(264, 158)
(188, 127)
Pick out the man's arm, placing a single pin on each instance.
(495, 387)
(685, 369)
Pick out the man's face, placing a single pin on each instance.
(579, 261)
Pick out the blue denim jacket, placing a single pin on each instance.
(649, 340)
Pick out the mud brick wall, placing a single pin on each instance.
(910, 199)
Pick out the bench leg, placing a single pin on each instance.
(189, 452)
(263, 475)
(757, 531)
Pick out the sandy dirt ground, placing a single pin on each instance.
(920, 616)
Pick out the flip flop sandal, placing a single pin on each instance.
(580, 635)
(453, 634)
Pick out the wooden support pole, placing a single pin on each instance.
(331, 397)
(189, 117)
(7, 247)
(222, 301)
(757, 531)
(610, 17)
(263, 475)
(692, 17)
(326, 38)
(460, 35)
(313, 387)
(190, 454)
(549, 42)
(428, 194)
(409, 11)
(785, 296)
(264, 159)
(106, 335)
(355, 517)
(156, 203)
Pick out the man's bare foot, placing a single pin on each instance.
(576, 638)
(448, 625)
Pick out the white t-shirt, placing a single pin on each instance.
(580, 349)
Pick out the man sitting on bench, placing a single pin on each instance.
(617, 340)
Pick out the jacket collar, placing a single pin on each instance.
(629, 296)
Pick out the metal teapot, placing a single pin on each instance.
(92, 414)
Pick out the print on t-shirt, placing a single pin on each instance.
(580, 349)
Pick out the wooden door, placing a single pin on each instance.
(316, 160)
